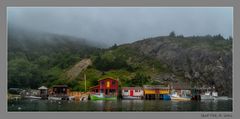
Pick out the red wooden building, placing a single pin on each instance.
(107, 86)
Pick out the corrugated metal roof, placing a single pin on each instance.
(155, 87)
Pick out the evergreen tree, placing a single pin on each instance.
(172, 34)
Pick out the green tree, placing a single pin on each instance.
(114, 46)
(23, 74)
(230, 38)
(172, 34)
(140, 79)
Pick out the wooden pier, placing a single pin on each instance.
(79, 96)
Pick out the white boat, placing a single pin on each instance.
(207, 96)
(54, 98)
(32, 97)
(175, 96)
(221, 98)
(214, 94)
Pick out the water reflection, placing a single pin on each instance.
(119, 105)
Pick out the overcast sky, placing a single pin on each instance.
(124, 24)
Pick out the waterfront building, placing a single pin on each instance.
(132, 92)
(106, 86)
(43, 92)
(60, 90)
(156, 92)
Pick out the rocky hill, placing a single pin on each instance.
(202, 61)
(36, 59)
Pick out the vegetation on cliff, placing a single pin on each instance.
(36, 59)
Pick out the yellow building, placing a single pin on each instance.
(155, 91)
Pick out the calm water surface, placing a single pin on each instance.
(119, 105)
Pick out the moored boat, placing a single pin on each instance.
(165, 97)
(221, 98)
(102, 97)
(175, 96)
(207, 96)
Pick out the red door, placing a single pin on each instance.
(131, 92)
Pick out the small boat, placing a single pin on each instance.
(207, 96)
(214, 94)
(221, 98)
(102, 97)
(32, 97)
(175, 96)
(54, 98)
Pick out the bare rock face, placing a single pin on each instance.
(187, 75)
(78, 68)
(209, 62)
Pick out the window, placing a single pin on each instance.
(112, 90)
(125, 91)
(108, 84)
(113, 82)
(102, 82)
(137, 90)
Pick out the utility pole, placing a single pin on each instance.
(85, 82)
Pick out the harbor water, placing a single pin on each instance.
(119, 105)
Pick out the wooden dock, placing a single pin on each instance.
(14, 97)
(79, 96)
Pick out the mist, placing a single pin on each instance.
(119, 25)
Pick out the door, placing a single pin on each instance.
(131, 92)
(106, 92)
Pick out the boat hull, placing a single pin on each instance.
(207, 97)
(95, 97)
(166, 97)
(221, 98)
(180, 98)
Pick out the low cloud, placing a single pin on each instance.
(120, 25)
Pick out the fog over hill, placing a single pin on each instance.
(110, 25)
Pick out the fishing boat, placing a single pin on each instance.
(221, 98)
(175, 96)
(100, 96)
(207, 96)
(216, 97)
